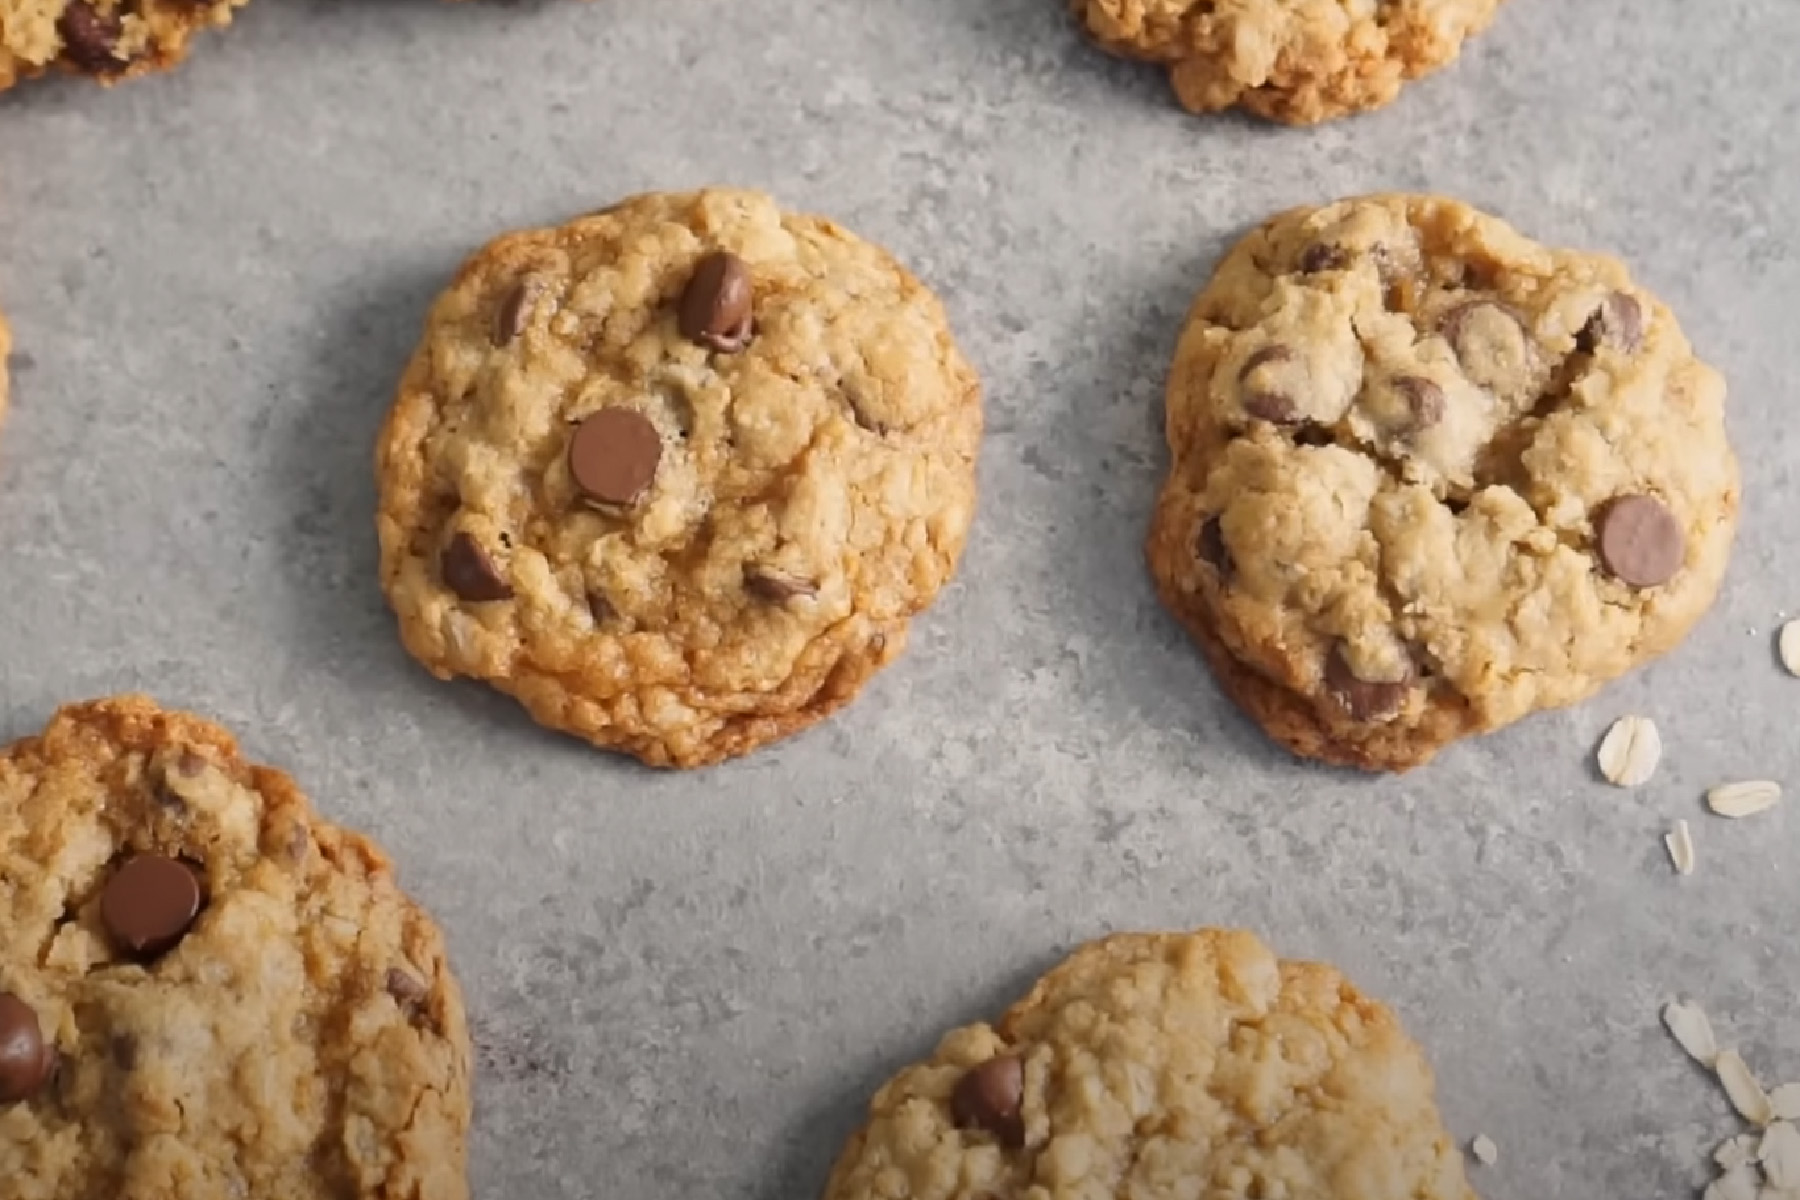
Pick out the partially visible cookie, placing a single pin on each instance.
(677, 474)
(205, 989)
(1295, 61)
(1165, 1067)
(1430, 476)
(107, 40)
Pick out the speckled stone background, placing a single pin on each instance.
(686, 986)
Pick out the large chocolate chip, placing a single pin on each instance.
(1210, 547)
(990, 1097)
(149, 904)
(470, 573)
(1263, 397)
(716, 306)
(1323, 256)
(776, 586)
(1362, 699)
(26, 1058)
(513, 312)
(90, 37)
(1640, 541)
(1618, 323)
(613, 456)
(1424, 400)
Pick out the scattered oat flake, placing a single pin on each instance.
(1790, 647)
(1739, 1151)
(1747, 1095)
(1692, 1030)
(1630, 751)
(1745, 799)
(1780, 1155)
(1681, 848)
(1785, 1100)
(1739, 1183)
(1484, 1150)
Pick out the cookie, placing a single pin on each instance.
(1163, 1067)
(676, 475)
(1430, 476)
(1294, 61)
(205, 989)
(107, 40)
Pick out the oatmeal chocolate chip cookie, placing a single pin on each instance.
(205, 989)
(1162, 1066)
(1430, 476)
(1296, 61)
(105, 39)
(677, 474)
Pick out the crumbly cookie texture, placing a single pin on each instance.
(677, 474)
(108, 40)
(1165, 1067)
(1430, 476)
(1295, 61)
(205, 989)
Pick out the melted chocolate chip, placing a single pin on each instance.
(991, 1097)
(1363, 699)
(776, 586)
(1640, 541)
(1617, 324)
(1424, 400)
(26, 1059)
(1263, 398)
(470, 573)
(716, 305)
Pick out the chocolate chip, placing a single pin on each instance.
(149, 904)
(1362, 699)
(514, 312)
(1424, 399)
(613, 456)
(1618, 323)
(407, 992)
(26, 1059)
(1264, 399)
(189, 765)
(91, 38)
(990, 1097)
(1323, 256)
(716, 305)
(1210, 548)
(777, 586)
(470, 573)
(1640, 541)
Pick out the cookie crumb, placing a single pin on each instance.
(1779, 1155)
(1681, 848)
(1746, 799)
(1484, 1150)
(1630, 751)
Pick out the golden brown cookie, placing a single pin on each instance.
(677, 475)
(1165, 1067)
(205, 989)
(1430, 476)
(1295, 61)
(107, 40)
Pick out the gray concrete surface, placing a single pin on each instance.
(684, 987)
